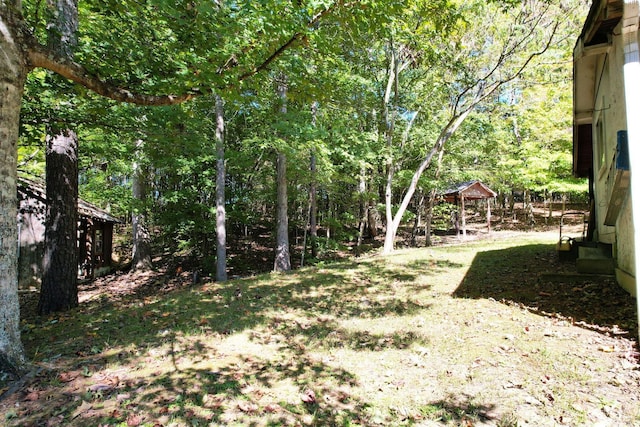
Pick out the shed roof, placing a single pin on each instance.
(36, 189)
(470, 190)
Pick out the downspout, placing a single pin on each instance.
(632, 101)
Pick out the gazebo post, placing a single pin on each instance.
(462, 213)
(488, 214)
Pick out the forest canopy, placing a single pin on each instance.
(194, 120)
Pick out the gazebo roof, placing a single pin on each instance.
(470, 190)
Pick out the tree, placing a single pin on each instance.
(237, 60)
(487, 59)
(221, 216)
(59, 290)
(282, 260)
(141, 247)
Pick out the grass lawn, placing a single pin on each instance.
(467, 335)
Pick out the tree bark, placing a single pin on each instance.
(141, 254)
(221, 215)
(363, 205)
(389, 121)
(445, 134)
(313, 192)
(12, 77)
(59, 291)
(282, 260)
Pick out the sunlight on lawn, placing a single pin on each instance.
(377, 341)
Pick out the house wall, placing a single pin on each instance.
(608, 118)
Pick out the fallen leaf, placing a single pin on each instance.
(272, 408)
(247, 407)
(134, 420)
(84, 407)
(123, 396)
(66, 377)
(308, 396)
(32, 396)
(101, 387)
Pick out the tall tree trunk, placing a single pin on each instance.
(313, 193)
(390, 120)
(363, 205)
(12, 78)
(221, 216)
(59, 290)
(141, 253)
(282, 260)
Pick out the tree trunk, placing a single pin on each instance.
(59, 291)
(282, 260)
(313, 194)
(362, 202)
(12, 78)
(221, 228)
(445, 134)
(141, 253)
(313, 208)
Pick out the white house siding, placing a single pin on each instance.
(624, 249)
(609, 116)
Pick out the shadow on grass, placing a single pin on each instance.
(513, 276)
(224, 396)
(301, 313)
(460, 410)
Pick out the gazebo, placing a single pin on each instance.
(470, 190)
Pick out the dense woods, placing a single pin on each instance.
(202, 124)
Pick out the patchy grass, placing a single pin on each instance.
(460, 335)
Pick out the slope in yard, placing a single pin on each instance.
(471, 334)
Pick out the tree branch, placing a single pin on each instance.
(39, 57)
(294, 38)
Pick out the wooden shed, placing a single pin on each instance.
(95, 235)
(470, 190)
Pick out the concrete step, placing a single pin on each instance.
(594, 260)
